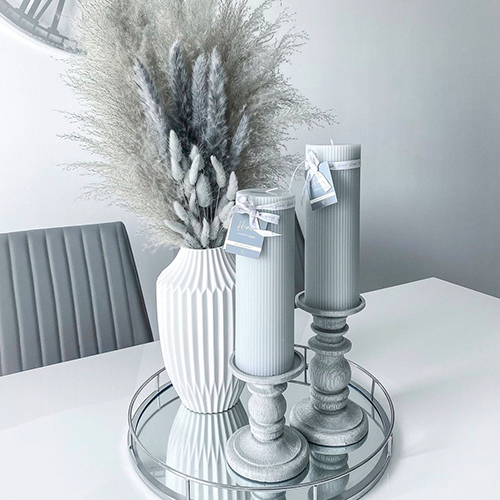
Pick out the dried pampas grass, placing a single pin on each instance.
(185, 101)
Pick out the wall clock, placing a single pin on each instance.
(49, 21)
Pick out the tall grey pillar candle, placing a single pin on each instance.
(332, 235)
(265, 289)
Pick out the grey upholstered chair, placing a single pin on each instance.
(67, 293)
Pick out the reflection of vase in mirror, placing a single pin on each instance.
(196, 448)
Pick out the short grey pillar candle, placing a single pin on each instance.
(265, 289)
(332, 235)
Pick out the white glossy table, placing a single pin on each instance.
(435, 346)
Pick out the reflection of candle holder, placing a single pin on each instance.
(268, 450)
(327, 462)
(328, 417)
(196, 448)
(268, 493)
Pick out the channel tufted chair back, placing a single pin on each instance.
(66, 293)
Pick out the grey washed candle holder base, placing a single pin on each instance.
(267, 450)
(328, 417)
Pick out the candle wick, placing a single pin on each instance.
(331, 142)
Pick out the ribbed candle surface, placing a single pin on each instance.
(332, 237)
(265, 290)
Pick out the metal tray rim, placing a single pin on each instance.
(387, 420)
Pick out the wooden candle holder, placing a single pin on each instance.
(267, 450)
(328, 417)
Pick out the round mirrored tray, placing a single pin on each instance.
(180, 454)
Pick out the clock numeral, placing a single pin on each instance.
(46, 20)
(57, 17)
(35, 10)
(34, 7)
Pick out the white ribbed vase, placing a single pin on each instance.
(195, 300)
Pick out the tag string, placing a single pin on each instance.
(244, 205)
(295, 173)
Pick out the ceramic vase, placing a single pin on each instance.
(196, 302)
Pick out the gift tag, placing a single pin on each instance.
(241, 239)
(321, 189)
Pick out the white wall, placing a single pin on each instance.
(416, 82)
(35, 190)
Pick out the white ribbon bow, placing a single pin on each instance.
(312, 170)
(244, 205)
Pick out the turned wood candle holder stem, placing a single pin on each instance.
(267, 408)
(267, 450)
(328, 417)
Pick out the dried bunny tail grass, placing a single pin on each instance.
(187, 188)
(194, 151)
(181, 212)
(196, 167)
(176, 227)
(220, 174)
(219, 241)
(193, 204)
(205, 234)
(215, 227)
(203, 191)
(232, 187)
(224, 211)
(191, 242)
(195, 224)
